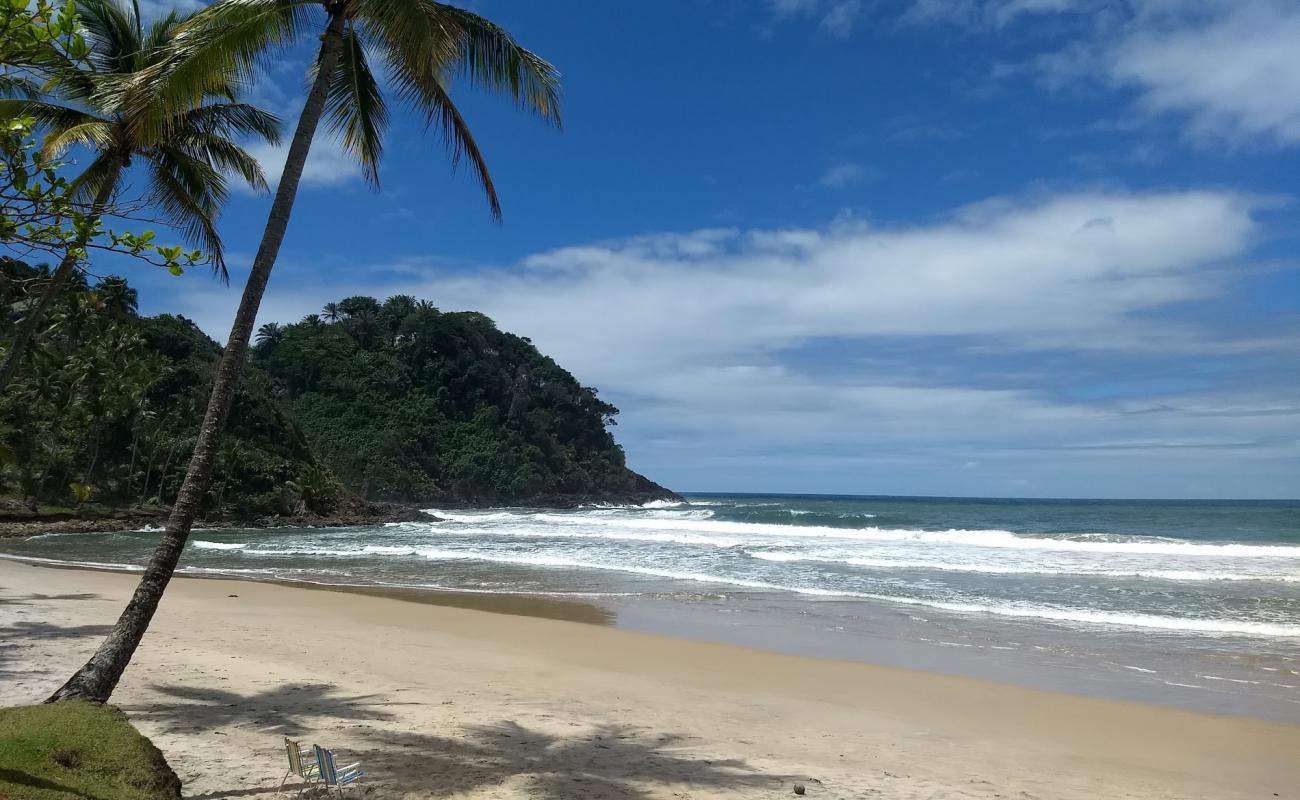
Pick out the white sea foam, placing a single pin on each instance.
(694, 513)
(1008, 569)
(973, 538)
(615, 536)
(663, 504)
(108, 565)
(1022, 610)
(202, 545)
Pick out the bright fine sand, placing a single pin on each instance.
(437, 701)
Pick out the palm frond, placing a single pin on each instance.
(13, 85)
(112, 29)
(217, 49)
(224, 155)
(64, 126)
(155, 41)
(103, 171)
(189, 192)
(93, 133)
(491, 58)
(428, 92)
(355, 106)
(231, 119)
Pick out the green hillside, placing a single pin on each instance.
(393, 401)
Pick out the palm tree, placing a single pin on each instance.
(424, 45)
(332, 312)
(186, 147)
(120, 300)
(270, 334)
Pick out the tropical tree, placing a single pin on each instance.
(270, 334)
(424, 46)
(187, 148)
(331, 312)
(120, 300)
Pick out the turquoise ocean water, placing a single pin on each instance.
(1196, 603)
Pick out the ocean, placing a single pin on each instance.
(1194, 603)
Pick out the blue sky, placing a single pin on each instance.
(956, 247)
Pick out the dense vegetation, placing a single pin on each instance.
(405, 402)
(394, 401)
(68, 751)
(106, 408)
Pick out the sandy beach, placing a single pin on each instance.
(441, 701)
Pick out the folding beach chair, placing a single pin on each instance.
(337, 777)
(301, 763)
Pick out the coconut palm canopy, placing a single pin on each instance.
(188, 150)
(422, 46)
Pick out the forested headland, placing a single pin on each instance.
(370, 401)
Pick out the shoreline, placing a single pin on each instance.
(1060, 661)
(15, 525)
(241, 658)
(24, 527)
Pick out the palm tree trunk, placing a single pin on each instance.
(97, 679)
(27, 328)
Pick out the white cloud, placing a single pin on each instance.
(841, 17)
(835, 17)
(702, 338)
(1236, 75)
(1073, 271)
(279, 89)
(838, 176)
(327, 163)
(1231, 68)
(990, 13)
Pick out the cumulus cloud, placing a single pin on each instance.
(796, 347)
(1230, 68)
(327, 163)
(1236, 75)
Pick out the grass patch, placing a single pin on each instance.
(77, 750)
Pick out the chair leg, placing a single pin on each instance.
(283, 781)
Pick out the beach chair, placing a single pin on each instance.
(302, 763)
(333, 776)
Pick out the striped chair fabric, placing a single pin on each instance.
(335, 776)
(301, 763)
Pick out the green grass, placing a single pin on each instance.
(75, 750)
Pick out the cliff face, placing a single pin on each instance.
(406, 403)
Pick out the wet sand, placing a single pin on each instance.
(441, 701)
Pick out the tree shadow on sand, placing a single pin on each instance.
(611, 762)
(27, 600)
(23, 634)
(290, 708)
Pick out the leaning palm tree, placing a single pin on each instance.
(187, 147)
(424, 45)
